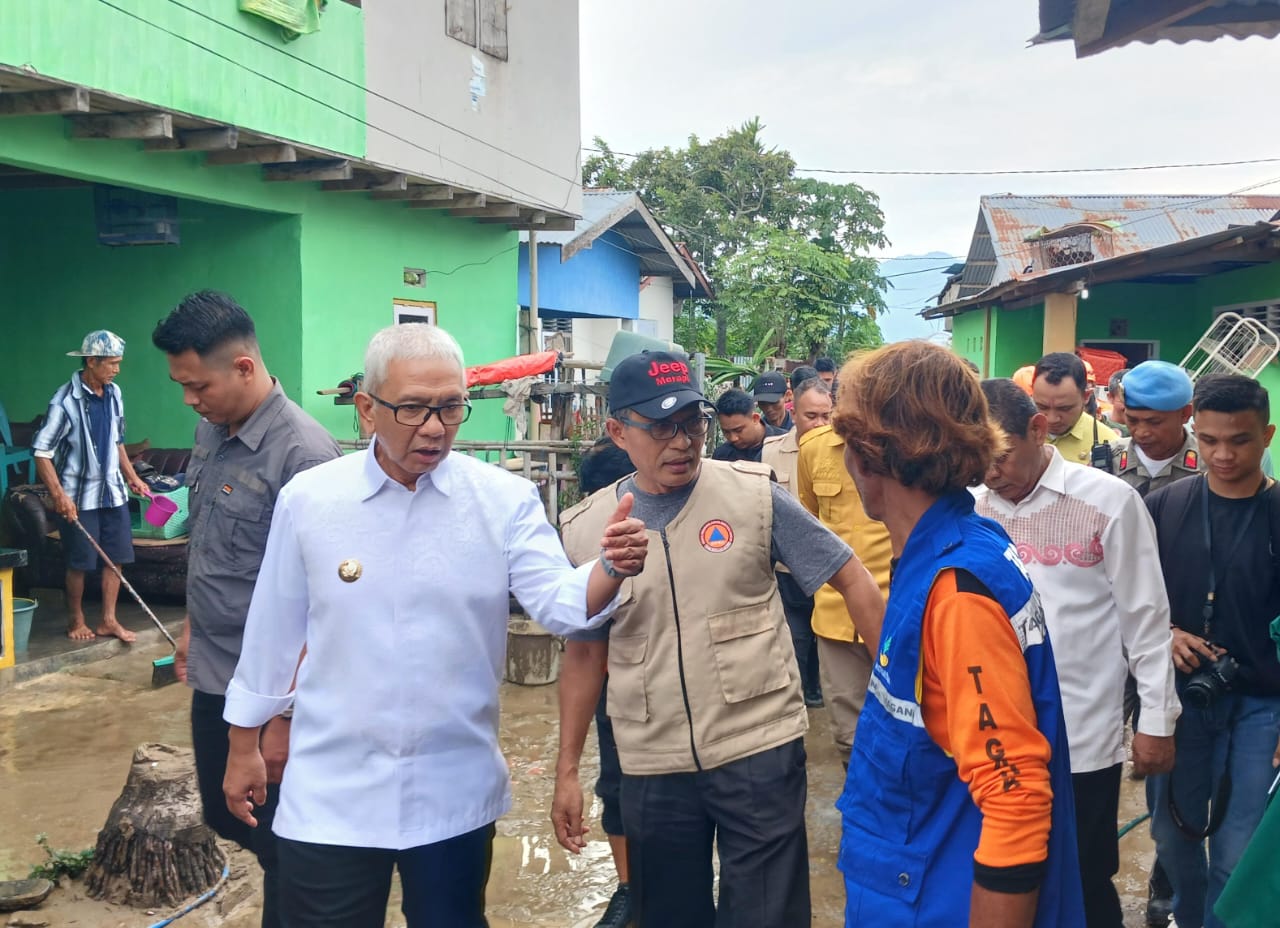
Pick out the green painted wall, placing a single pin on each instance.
(968, 334)
(1261, 283)
(60, 283)
(1245, 285)
(1173, 315)
(1017, 339)
(354, 252)
(318, 271)
(210, 60)
(1165, 313)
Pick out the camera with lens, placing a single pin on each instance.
(1211, 682)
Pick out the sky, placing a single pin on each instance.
(929, 86)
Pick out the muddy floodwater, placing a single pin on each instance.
(66, 740)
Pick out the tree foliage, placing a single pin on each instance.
(785, 253)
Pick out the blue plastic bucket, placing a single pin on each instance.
(24, 610)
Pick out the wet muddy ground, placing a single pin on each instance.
(66, 740)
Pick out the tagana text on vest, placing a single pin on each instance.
(910, 825)
(701, 665)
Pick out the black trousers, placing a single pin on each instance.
(1097, 796)
(609, 783)
(209, 738)
(329, 886)
(799, 611)
(753, 809)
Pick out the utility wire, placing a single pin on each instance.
(371, 92)
(1000, 172)
(329, 106)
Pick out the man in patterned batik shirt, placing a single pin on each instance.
(1086, 540)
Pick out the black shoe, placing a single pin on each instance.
(1159, 899)
(814, 701)
(618, 914)
(1159, 911)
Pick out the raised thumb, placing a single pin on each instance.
(624, 508)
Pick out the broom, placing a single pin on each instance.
(163, 670)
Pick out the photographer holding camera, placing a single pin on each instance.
(1216, 537)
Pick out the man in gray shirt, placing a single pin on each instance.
(704, 694)
(251, 439)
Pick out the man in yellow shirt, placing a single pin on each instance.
(827, 491)
(1061, 393)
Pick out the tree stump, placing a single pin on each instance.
(155, 849)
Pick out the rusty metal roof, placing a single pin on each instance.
(1097, 25)
(1215, 253)
(1000, 250)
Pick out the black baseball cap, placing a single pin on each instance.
(770, 387)
(654, 384)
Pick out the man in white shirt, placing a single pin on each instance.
(393, 567)
(1089, 545)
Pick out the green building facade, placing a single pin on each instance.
(317, 267)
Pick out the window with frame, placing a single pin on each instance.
(1265, 311)
(557, 334)
(482, 24)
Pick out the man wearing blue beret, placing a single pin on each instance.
(1160, 448)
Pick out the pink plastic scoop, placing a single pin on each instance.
(160, 511)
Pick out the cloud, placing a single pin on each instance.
(925, 86)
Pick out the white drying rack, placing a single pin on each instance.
(1233, 344)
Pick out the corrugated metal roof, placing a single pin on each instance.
(1140, 223)
(1237, 19)
(1218, 252)
(624, 213)
(596, 206)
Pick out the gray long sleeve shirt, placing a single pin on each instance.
(234, 481)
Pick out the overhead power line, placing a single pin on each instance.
(1005, 172)
(338, 110)
(371, 92)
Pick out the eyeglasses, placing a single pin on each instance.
(417, 415)
(665, 429)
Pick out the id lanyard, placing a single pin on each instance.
(1207, 610)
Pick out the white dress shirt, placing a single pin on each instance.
(1089, 544)
(394, 741)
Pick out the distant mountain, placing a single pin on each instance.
(914, 280)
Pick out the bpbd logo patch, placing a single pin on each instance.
(716, 536)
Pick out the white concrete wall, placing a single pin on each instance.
(592, 338)
(520, 143)
(657, 304)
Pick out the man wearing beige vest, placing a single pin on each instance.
(704, 695)
(781, 452)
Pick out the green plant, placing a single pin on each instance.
(60, 862)
(583, 434)
(720, 370)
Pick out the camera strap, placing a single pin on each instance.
(1217, 809)
(1241, 531)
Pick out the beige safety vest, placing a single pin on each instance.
(701, 665)
(782, 453)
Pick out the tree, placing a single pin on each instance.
(815, 300)
(155, 848)
(745, 215)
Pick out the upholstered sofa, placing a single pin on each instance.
(160, 567)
